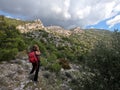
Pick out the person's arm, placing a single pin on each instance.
(37, 52)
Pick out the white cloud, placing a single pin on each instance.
(62, 10)
(56, 9)
(117, 7)
(113, 21)
(9, 17)
(109, 8)
(65, 13)
(83, 13)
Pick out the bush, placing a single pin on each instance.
(11, 41)
(8, 54)
(64, 63)
(52, 57)
(104, 61)
(44, 61)
(55, 67)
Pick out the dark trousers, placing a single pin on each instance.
(35, 68)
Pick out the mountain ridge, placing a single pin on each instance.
(29, 26)
(56, 30)
(37, 24)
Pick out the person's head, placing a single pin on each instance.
(35, 47)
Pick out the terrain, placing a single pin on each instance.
(76, 59)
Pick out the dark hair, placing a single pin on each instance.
(35, 47)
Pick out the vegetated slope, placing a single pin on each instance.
(74, 47)
(11, 41)
(87, 60)
(12, 21)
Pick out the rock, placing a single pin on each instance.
(46, 74)
(68, 75)
(37, 24)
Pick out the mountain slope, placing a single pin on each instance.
(71, 60)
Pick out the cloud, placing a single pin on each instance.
(66, 13)
(113, 21)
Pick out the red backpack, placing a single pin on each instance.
(32, 57)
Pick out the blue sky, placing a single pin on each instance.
(103, 25)
(101, 14)
(12, 15)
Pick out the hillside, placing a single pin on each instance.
(76, 59)
(11, 21)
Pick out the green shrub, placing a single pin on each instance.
(11, 41)
(44, 61)
(8, 54)
(52, 57)
(55, 67)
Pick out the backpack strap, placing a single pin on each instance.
(36, 56)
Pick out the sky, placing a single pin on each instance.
(100, 14)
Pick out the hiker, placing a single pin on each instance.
(36, 64)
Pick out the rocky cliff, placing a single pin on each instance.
(56, 30)
(35, 25)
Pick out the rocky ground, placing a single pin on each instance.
(14, 75)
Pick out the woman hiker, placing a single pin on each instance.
(36, 64)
